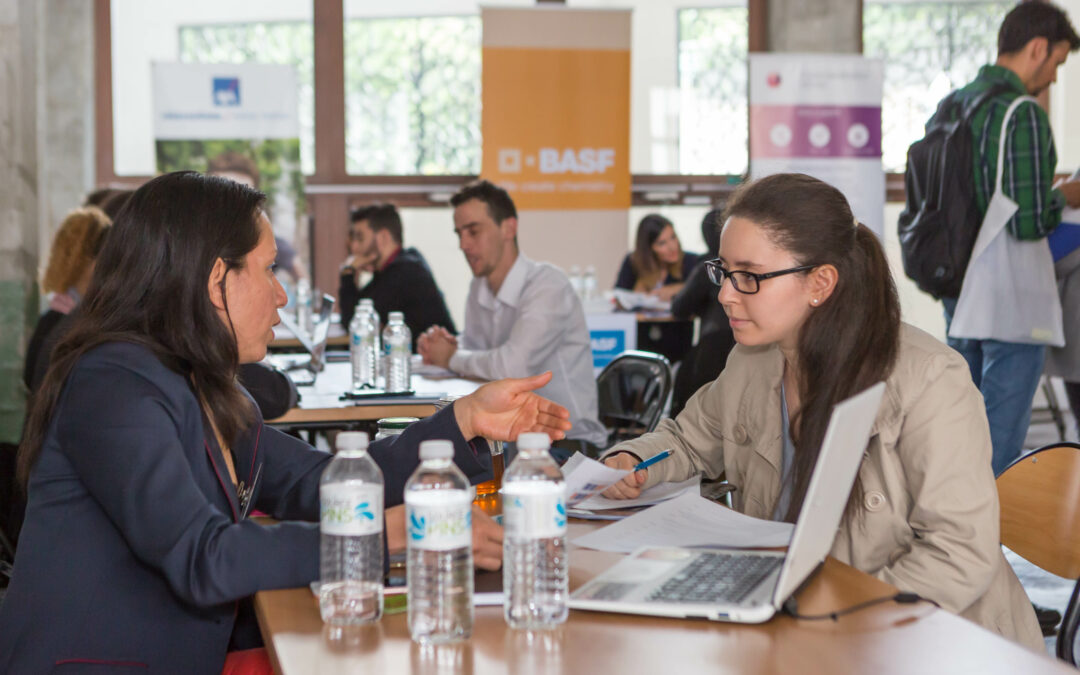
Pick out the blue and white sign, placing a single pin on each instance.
(203, 101)
(226, 91)
(611, 334)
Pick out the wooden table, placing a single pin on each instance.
(881, 640)
(321, 404)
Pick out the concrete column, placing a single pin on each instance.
(833, 26)
(19, 72)
(46, 150)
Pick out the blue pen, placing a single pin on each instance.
(653, 460)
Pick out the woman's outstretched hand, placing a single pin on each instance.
(502, 410)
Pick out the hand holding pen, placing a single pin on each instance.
(630, 486)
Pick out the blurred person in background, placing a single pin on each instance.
(657, 265)
(703, 363)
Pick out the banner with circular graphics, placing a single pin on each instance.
(820, 114)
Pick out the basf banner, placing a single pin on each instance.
(556, 106)
(820, 114)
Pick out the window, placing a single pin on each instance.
(203, 31)
(930, 48)
(713, 115)
(412, 95)
(282, 43)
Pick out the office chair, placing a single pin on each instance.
(1040, 522)
(632, 392)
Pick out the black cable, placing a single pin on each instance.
(903, 598)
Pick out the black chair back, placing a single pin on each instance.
(633, 391)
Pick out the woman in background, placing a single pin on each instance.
(657, 265)
(67, 276)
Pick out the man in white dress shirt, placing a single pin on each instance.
(522, 317)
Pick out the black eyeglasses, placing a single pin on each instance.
(746, 282)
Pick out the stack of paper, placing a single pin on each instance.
(660, 492)
(586, 477)
(687, 520)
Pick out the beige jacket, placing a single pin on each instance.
(929, 518)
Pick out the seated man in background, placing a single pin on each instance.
(521, 317)
(401, 280)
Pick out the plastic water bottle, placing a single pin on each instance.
(369, 305)
(303, 305)
(588, 284)
(575, 280)
(355, 340)
(535, 565)
(397, 341)
(363, 346)
(351, 524)
(438, 518)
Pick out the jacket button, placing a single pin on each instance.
(741, 437)
(874, 501)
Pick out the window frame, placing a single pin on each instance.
(331, 179)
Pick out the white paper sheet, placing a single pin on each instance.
(661, 492)
(688, 520)
(586, 477)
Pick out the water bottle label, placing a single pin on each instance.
(350, 510)
(534, 509)
(438, 520)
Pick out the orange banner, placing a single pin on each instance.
(556, 126)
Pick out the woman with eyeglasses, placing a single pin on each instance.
(815, 313)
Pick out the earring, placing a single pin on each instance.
(814, 301)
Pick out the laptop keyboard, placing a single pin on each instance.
(716, 577)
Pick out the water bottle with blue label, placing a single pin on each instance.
(397, 345)
(438, 522)
(364, 345)
(369, 305)
(351, 526)
(535, 569)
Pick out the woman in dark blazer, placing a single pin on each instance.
(143, 457)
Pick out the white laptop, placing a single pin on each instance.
(737, 584)
(303, 372)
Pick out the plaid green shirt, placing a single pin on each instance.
(1030, 158)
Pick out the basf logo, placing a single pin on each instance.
(585, 161)
(226, 91)
(606, 345)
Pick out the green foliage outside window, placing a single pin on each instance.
(713, 52)
(929, 48)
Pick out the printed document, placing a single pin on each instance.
(687, 520)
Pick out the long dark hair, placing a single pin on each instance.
(850, 341)
(150, 288)
(647, 267)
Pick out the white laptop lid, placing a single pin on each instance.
(830, 485)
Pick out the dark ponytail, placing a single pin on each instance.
(851, 340)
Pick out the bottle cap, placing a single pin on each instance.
(533, 441)
(366, 302)
(436, 450)
(352, 440)
(397, 317)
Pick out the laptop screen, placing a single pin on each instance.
(830, 485)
